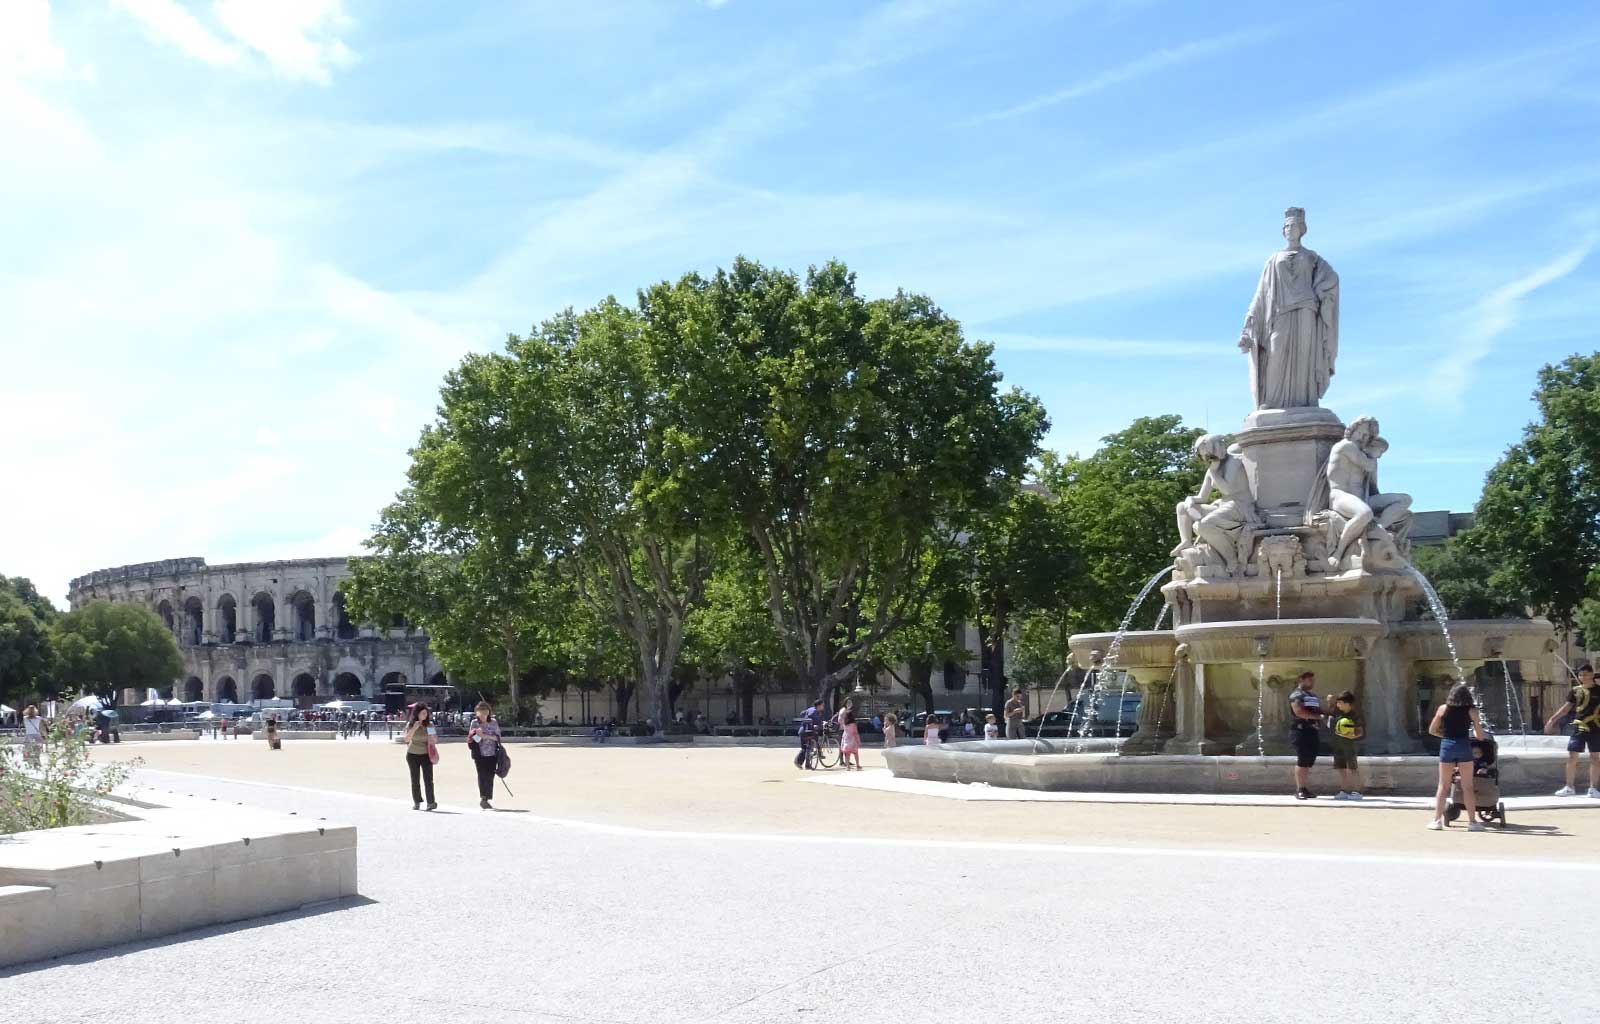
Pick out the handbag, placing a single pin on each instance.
(433, 751)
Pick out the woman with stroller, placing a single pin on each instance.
(1456, 722)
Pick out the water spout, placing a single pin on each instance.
(1443, 619)
(1098, 692)
(1161, 616)
(1277, 576)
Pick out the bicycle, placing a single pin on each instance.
(824, 747)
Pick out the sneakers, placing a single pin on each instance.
(1341, 795)
(1594, 794)
(1305, 794)
(432, 806)
(485, 805)
(416, 805)
(1436, 825)
(1566, 791)
(1476, 826)
(1353, 795)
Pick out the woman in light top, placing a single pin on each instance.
(418, 738)
(891, 728)
(32, 734)
(483, 737)
(930, 732)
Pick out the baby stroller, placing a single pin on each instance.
(1485, 786)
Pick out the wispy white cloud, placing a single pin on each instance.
(298, 39)
(168, 21)
(26, 45)
(1497, 313)
(1141, 67)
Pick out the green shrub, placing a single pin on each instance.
(62, 787)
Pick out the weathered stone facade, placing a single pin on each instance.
(256, 630)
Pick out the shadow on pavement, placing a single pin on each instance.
(94, 955)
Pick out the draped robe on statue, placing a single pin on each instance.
(1293, 330)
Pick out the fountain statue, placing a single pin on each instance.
(1289, 558)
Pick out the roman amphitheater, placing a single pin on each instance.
(259, 630)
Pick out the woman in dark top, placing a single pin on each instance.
(419, 754)
(483, 738)
(1456, 723)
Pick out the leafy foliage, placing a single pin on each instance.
(27, 648)
(1538, 521)
(64, 787)
(848, 437)
(1117, 509)
(1465, 579)
(106, 646)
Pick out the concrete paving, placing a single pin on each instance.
(522, 917)
(884, 781)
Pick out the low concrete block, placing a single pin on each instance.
(171, 869)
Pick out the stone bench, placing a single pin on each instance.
(169, 869)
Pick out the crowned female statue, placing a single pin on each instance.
(1291, 332)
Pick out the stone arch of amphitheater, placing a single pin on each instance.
(255, 630)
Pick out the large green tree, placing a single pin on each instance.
(1538, 521)
(1117, 509)
(485, 599)
(1465, 579)
(849, 437)
(27, 651)
(106, 647)
(1021, 562)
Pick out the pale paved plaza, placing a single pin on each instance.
(715, 885)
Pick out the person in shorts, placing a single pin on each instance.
(1456, 723)
(1307, 711)
(1584, 707)
(1347, 731)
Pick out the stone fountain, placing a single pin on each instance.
(1289, 557)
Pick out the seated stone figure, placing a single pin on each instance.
(1357, 510)
(1224, 527)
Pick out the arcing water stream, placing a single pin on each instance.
(1109, 663)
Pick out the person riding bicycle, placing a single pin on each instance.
(811, 722)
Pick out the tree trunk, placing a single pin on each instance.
(624, 695)
(920, 681)
(512, 683)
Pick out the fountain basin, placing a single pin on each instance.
(1146, 648)
(1479, 640)
(1299, 640)
(1012, 763)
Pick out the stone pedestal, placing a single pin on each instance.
(1189, 701)
(1157, 717)
(1284, 452)
(1273, 738)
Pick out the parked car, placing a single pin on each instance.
(1070, 721)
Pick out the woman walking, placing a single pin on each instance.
(891, 729)
(1456, 723)
(849, 737)
(484, 738)
(32, 734)
(420, 754)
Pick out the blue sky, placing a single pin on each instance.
(245, 238)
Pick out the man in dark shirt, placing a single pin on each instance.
(811, 720)
(1307, 710)
(1584, 707)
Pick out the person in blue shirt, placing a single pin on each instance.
(811, 720)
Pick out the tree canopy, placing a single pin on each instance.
(106, 646)
(848, 437)
(1117, 505)
(1538, 521)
